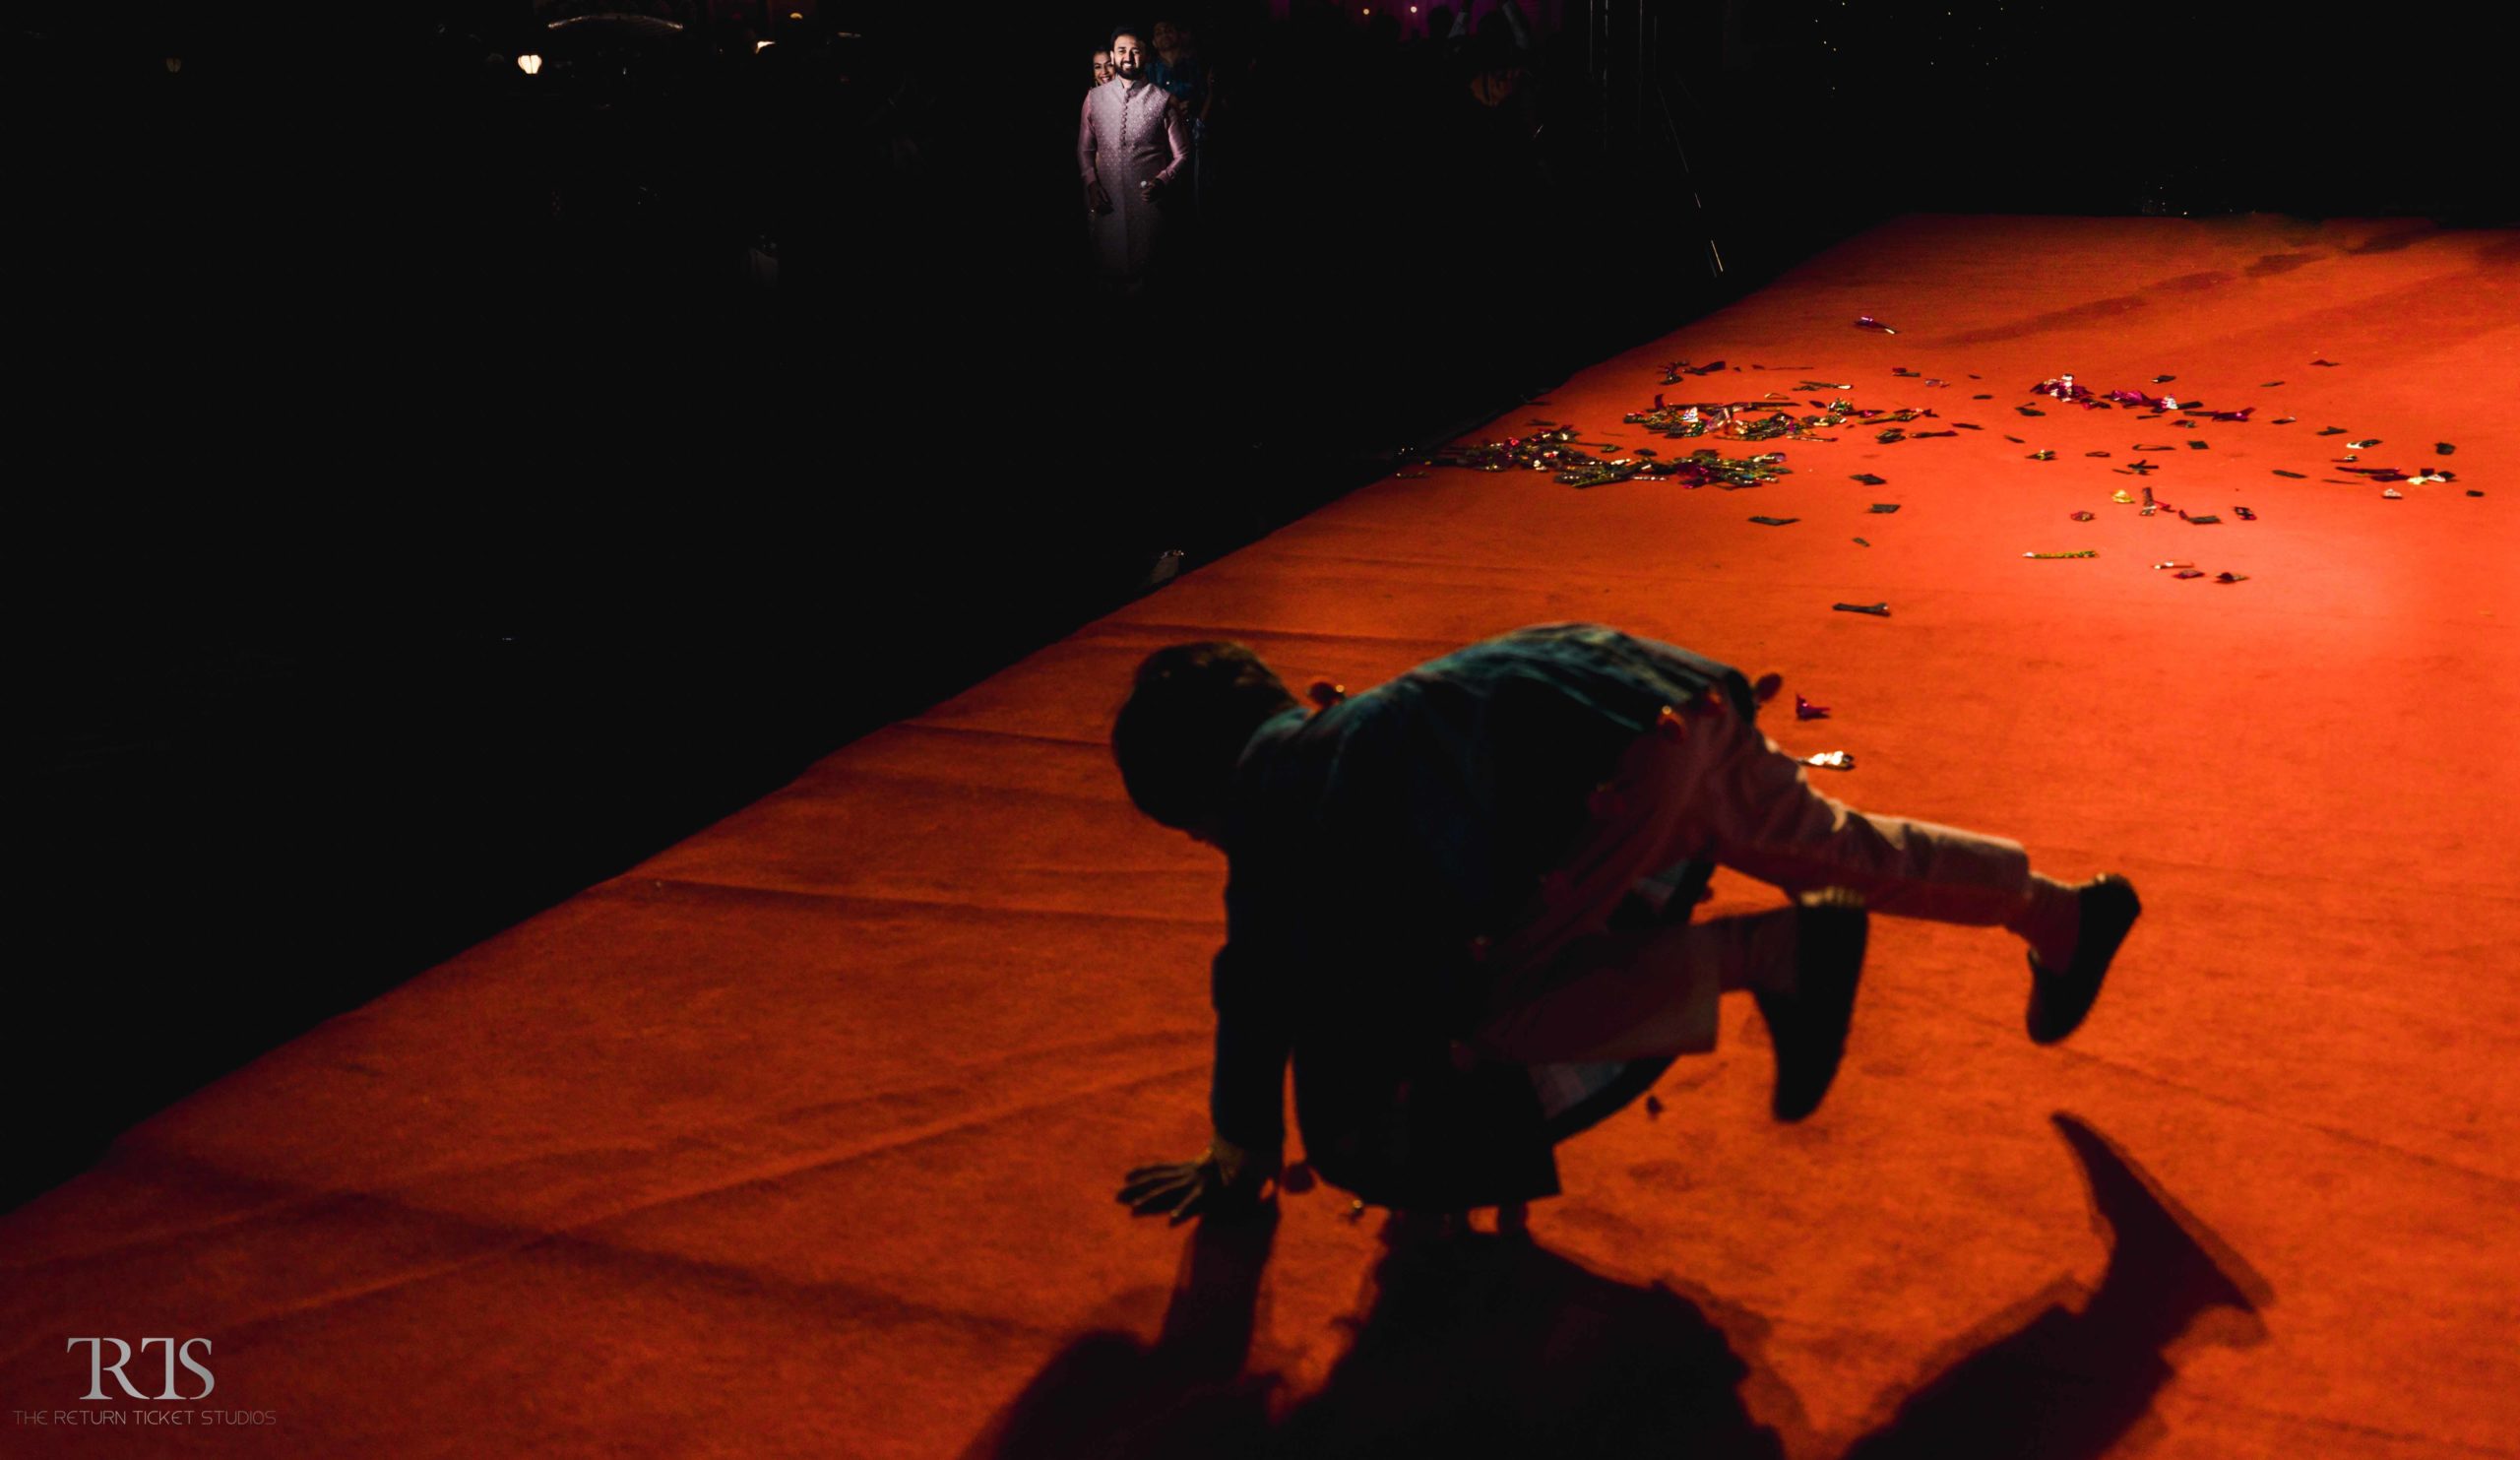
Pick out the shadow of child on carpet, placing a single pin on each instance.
(1476, 1345)
(2069, 1383)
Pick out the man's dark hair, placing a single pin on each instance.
(1119, 31)
(1185, 725)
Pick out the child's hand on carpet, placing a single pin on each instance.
(1191, 1188)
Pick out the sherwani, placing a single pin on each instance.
(1130, 132)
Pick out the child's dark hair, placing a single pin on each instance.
(1185, 723)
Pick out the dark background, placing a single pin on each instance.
(423, 512)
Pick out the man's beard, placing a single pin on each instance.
(1131, 72)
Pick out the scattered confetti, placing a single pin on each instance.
(1867, 322)
(2190, 573)
(1653, 1108)
(1565, 453)
(2230, 578)
(2173, 563)
(1877, 610)
(1805, 710)
(1831, 760)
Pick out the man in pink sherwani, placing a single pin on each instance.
(1129, 143)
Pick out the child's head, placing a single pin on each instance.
(1184, 726)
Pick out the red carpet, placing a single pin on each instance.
(801, 1138)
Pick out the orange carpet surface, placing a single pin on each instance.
(801, 1138)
